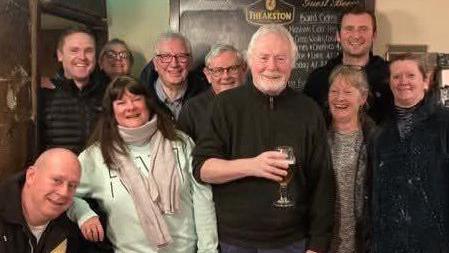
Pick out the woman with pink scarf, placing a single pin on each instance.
(138, 169)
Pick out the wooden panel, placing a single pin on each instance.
(90, 12)
(15, 86)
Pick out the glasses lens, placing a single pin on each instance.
(123, 55)
(183, 58)
(216, 71)
(112, 55)
(167, 58)
(233, 69)
(220, 71)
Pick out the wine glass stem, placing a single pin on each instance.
(283, 192)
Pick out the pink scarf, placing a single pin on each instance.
(157, 193)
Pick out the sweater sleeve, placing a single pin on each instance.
(80, 211)
(203, 209)
(214, 143)
(321, 187)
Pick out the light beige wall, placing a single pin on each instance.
(138, 23)
(413, 22)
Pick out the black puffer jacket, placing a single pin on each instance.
(380, 99)
(410, 184)
(196, 82)
(67, 114)
(16, 237)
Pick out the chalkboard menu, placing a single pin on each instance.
(312, 23)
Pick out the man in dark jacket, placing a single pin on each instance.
(68, 112)
(225, 69)
(356, 34)
(33, 205)
(167, 75)
(237, 157)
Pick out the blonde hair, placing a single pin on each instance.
(353, 75)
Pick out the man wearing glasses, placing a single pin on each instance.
(225, 69)
(167, 74)
(356, 34)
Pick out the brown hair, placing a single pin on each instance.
(71, 31)
(412, 57)
(356, 77)
(353, 75)
(106, 133)
(359, 10)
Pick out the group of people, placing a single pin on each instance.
(370, 171)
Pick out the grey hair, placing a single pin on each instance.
(170, 36)
(273, 28)
(353, 76)
(218, 49)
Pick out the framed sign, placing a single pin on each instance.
(313, 24)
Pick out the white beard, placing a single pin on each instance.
(271, 89)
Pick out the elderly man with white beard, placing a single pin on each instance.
(237, 156)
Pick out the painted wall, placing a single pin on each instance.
(413, 22)
(139, 22)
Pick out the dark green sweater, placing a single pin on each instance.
(245, 123)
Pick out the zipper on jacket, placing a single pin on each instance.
(270, 115)
(31, 245)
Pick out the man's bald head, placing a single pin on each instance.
(56, 155)
(50, 185)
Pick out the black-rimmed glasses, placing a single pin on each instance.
(231, 70)
(167, 58)
(113, 55)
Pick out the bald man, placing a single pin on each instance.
(33, 205)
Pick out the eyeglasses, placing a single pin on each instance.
(113, 55)
(217, 72)
(167, 58)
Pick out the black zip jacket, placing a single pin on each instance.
(380, 99)
(67, 114)
(245, 123)
(16, 237)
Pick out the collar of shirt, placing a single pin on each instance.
(163, 97)
(176, 104)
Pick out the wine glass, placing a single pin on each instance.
(283, 200)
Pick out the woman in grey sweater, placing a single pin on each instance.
(347, 138)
